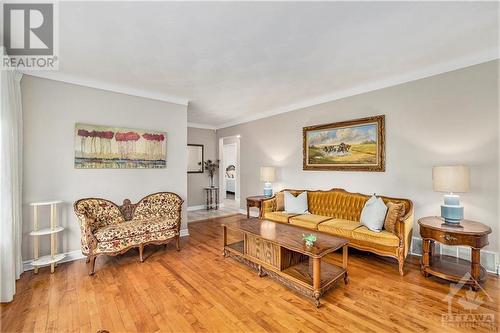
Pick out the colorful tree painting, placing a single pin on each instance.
(109, 147)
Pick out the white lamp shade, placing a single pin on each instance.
(267, 174)
(454, 178)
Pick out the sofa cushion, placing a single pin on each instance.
(383, 237)
(373, 214)
(339, 227)
(309, 221)
(296, 204)
(394, 212)
(134, 228)
(278, 216)
(116, 245)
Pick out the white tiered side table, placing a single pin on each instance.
(52, 230)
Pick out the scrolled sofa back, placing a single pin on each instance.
(338, 203)
(162, 204)
(103, 212)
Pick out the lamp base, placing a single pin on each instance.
(451, 211)
(268, 190)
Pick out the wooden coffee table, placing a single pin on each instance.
(277, 250)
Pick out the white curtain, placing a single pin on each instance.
(11, 137)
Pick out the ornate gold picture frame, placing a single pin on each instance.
(354, 145)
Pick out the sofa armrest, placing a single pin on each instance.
(87, 227)
(267, 205)
(405, 232)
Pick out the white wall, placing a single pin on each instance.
(50, 111)
(450, 118)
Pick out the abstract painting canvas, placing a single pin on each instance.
(355, 145)
(99, 147)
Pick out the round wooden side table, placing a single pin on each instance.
(255, 201)
(468, 233)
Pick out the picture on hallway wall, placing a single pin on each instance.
(355, 145)
(105, 147)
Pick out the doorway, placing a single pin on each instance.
(229, 177)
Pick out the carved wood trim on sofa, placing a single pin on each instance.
(98, 213)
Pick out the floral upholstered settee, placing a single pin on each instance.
(107, 228)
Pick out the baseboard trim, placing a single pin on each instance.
(200, 207)
(191, 208)
(77, 255)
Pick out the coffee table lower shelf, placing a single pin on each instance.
(298, 277)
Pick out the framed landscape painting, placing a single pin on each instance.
(355, 145)
(99, 147)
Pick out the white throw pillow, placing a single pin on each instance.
(373, 214)
(296, 204)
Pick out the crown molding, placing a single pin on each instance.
(476, 59)
(199, 125)
(96, 84)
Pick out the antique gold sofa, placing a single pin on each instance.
(337, 212)
(109, 229)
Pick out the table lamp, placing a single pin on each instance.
(451, 179)
(267, 175)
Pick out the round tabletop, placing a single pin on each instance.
(258, 197)
(466, 227)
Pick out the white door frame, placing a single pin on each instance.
(222, 183)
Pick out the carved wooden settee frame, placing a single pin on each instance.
(90, 224)
(403, 227)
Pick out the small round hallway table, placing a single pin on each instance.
(468, 233)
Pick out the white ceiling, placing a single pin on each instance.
(239, 61)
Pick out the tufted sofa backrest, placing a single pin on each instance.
(340, 204)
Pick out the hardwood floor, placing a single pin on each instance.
(197, 290)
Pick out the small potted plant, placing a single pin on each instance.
(309, 239)
(211, 167)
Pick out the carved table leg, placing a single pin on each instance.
(207, 193)
(475, 269)
(261, 271)
(426, 246)
(316, 280)
(345, 254)
(216, 199)
(224, 240)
